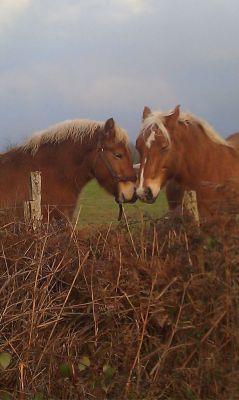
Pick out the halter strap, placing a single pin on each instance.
(114, 175)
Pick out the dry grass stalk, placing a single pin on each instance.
(133, 302)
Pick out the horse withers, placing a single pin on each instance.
(68, 154)
(182, 147)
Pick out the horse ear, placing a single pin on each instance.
(109, 125)
(146, 112)
(172, 118)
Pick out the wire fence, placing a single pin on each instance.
(90, 210)
(91, 214)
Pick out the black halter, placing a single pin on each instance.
(114, 175)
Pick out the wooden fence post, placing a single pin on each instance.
(32, 208)
(189, 204)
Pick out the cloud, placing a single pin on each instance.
(126, 8)
(88, 58)
(128, 90)
(40, 80)
(47, 93)
(10, 10)
(63, 12)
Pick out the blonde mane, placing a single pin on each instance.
(76, 130)
(209, 131)
(158, 118)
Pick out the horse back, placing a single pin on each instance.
(234, 140)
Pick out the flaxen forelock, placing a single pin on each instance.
(158, 118)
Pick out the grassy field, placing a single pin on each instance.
(98, 207)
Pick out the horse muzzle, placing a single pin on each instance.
(126, 192)
(122, 199)
(146, 195)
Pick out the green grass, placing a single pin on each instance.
(98, 207)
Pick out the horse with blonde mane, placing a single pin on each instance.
(180, 146)
(68, 154)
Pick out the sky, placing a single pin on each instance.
(95, 59)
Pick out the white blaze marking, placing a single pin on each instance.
(142, 174)
(140, 189)
(150, 139)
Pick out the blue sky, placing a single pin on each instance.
(64, 59)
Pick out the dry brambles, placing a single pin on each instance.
(147, 311)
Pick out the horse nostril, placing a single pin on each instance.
(148, 193)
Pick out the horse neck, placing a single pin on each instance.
(64, 167)
(74, 157)
(66, 160)
(200, 159)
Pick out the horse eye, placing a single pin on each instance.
(117, 155)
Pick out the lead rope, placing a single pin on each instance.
(120, 212)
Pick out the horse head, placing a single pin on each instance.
(113, 166)
(156, 150)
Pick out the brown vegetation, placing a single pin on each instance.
(146, 312)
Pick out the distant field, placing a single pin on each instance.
(98, 207)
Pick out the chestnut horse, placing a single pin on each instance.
(68, 154)
(175, 191)
(182, 147)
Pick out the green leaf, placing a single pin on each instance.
(5, 359)
(38, 396)
(108, 371)
(65, 370)
(84, 363)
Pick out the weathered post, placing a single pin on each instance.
(32, 208)
(189, 205)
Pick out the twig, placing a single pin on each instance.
(157, 366)
(145, 321)
(62, 308)
(130, 235)
(205, 337)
